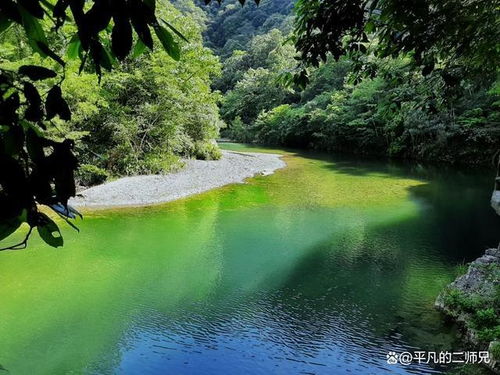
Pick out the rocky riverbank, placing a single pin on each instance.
(196, 177)
(473, 301)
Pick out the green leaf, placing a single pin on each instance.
(369, 27)
(34, 111)
(33, 7)
(56, 105)
(48, 52)
(139, 49)
(101, 57)
(48, 5)
(49, 231)
(176, 32)
(121, 37)
(34, 32)
(168, 42)
(36, 73)
(141, 27)
(74, 47)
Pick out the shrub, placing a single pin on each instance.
(485, 318)
(239, 131)
(206, 151)
(455, 299)
(158, 163)
(489, 334)
(89, 175)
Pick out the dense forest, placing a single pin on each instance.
(86, 94)
(444, 114)
(131, 121)
(336, 263)
(231, 26)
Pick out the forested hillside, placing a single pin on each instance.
(446, 114)
(232, 26)
(146, 113)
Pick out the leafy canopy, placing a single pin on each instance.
(36, 170)
(447, 33)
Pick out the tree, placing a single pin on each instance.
(232, 25)
(268, 51)
(437, 34)
(36, 170)
(257, 91)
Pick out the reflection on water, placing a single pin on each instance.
(321, 268)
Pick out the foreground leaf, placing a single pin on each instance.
(168, 42)
(36, 73)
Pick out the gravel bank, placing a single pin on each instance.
(196, 177)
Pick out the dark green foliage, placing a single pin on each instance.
(35, 169)
(428, 102)
(437, 34)
(495, 351)
(485, 318)
(168, 42)
(481, 314)
(89, 175)
(232, 26)
(400, 113)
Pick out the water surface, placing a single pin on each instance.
(321, 268)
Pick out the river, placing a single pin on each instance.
(322, 268)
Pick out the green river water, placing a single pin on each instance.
(321, 268)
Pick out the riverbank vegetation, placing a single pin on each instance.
(367, 102)
(84, 87)
(92, 90)
(145, 114)
(58, 111)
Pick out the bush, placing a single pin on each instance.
(485, 318)
(489, 334)
(457, 300)
(158, 163)
(238, 131)
(206, 151)
(89, 175)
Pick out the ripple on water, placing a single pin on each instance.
(262, 334)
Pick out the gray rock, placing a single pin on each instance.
(495, 201)
(480, 277)
(481, 280)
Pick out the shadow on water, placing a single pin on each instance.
(373, 295)
(458, 198)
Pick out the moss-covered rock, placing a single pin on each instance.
(473, 301)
